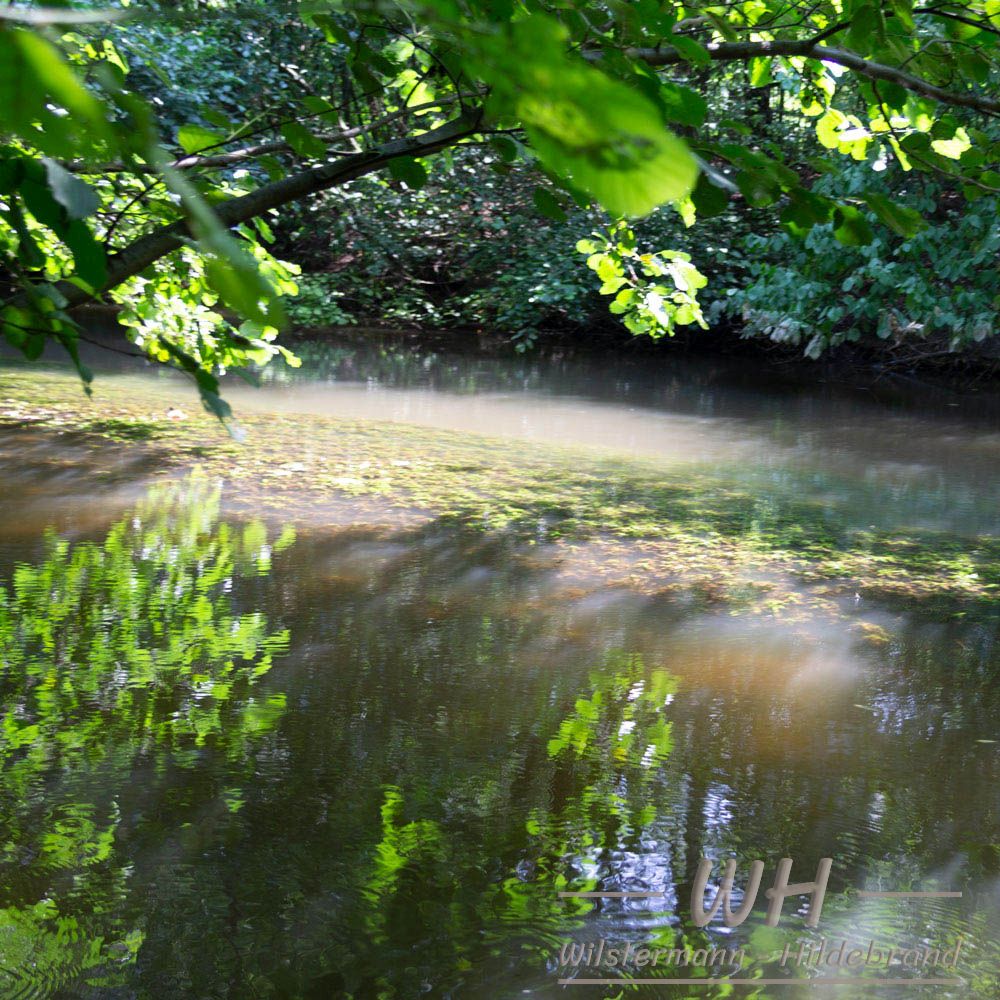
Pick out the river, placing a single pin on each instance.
(330, 757)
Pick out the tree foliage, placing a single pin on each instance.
(931, 292)
(164, 205)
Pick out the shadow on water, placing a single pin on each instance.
(363, 762)
(915, 458)
(935, 458)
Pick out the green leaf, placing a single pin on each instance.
(603, 137)
(76, 197)
(410, 171)
(70, 345)
(215, 117)
(505, 146)
(899, 218)
(944, 128)
(867, 27)
(15, 323)
(32, 70)
(195, 138)
(231, 272)
(903, 9)
(973, 64)
(893, 95)
(741, 127)
(758, 189)
(623, 302)
(303, 141)
(88, 254)
(690, 50)
(851, 227)
(39, 200)
(709, 200)
(547, 203)
(214, 403)
(317, 105)
(760, 72)
(273, 167)
(805, 210)
(28, 252)
(11, 170)
(242, 288)
(683, 105)
(208, 384)
(633, 168)
(917, 143)
(333, 31)
(828, 129)
(33, 346)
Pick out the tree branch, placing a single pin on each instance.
(146, 250)
(880, 71)
(950, 16)
(198, 161)
(810, 49)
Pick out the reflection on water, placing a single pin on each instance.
(446, 742)
(364, 764)
(922, 458)
(128, 666)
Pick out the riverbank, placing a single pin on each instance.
(972, 372)
(969, 375)
(670, 529)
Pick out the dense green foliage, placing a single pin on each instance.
(939, 287)
(470, 249)
(148, 152)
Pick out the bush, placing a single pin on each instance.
(940, 287)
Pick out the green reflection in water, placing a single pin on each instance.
(612, 746)
(124, 660)
(596, 782)
(460, 742)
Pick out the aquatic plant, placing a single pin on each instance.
(661, 528)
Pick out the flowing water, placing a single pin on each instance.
(251, 758)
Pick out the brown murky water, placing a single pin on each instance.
(365, 762)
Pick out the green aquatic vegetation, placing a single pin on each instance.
(117, 655)
(645, 524)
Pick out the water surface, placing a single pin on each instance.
(247, 758)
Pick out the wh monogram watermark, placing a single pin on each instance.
(777, 894)
(810, 956)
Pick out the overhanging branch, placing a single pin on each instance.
(811, 49)
(146, 250)
(880, 71)
(205, 158)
